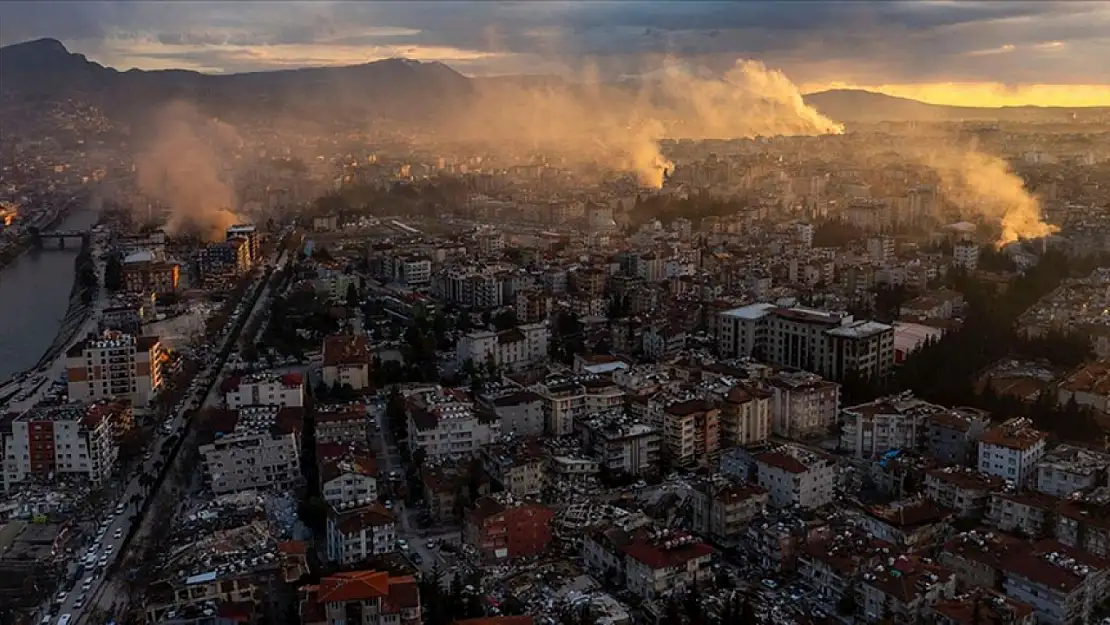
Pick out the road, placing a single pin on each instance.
(415, 541)
(109, 594)
(113, 594)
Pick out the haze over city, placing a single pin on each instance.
(554, 313)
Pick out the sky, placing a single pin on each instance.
(963, 52)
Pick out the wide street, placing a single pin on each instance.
(94, 591)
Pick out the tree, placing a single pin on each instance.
(113, 273)
(353, 299)
(505, 320)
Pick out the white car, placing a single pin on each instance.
(79, 603)
(103, 562)
(118, 533)
(403, 544)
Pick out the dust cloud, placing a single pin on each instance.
(981, 185)
(182, 166)
(621, 126)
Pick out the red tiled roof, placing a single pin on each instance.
(404, 592)
(782, 461)
(656, 557)
(292, 547)
(353, 586)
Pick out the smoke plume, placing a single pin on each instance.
(182, 167)
(620, 126)
(982, 185)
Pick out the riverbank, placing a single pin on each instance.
(78, 311)
(51, 220)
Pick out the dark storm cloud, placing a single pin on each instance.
(893, 41)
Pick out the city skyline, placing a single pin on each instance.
(965, 53)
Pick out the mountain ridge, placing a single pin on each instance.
(45, 69)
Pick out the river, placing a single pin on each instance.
(34, 297)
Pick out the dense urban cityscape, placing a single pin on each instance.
(852, 366)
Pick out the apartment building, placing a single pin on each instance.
(264, 389)
(793, 475)
(745, 417)
(519, 468)
(347, 361)
(966, 255)
(1083, 522)
(68, 440)
(691, 432)
(409, 269)
(663, 340)
(665, 561)
(1011, 451)
(803, 405)
(519, 412)
(255, 447)
(357, 532)
(502, 529)
(832, 561)
(904, 590)
(1026, 513)
(345, 482)
(513, 349)
(567, 397)
(115, 365)
(444, 423)
(222, 263)
(977, 556)
(361, 598)
(861, 348)
(1063, 585)
(963, 490)
(908, 523)
(1067, 469)
(250, 234)
(981, 606)
(344, 424)
(141, 273)
(872, 429)
(831, 344)
(622, 444)
(722, 510)
(1089, 386)
(952, 436)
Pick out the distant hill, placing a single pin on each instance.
(857, 105)
(44, 70)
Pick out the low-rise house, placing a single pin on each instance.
(447, 488)
(361, 598)
(356, 533)
(347, 361)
